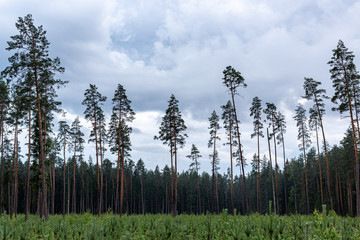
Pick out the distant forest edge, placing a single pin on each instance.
(52, 182)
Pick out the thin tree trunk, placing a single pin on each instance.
(258, 176)
(122, 181)
(276, 165)
(41, 143)
(28, 169)
(2, 156)
(64, 182)
(175, 152)
(326, 154)
(285, 191)
(101, 172)
(357, 187)
(232, 172)
(53, 192)
(272, 178)
(97, 160)
(320, 172)
(241, 156)
(306, 177)
(68, 200)
(74, 186)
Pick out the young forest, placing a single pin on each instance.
(48, 174)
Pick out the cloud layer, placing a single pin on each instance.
(158, 48)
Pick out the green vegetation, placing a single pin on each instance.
(209, 226)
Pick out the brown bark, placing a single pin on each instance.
(258, 175)
(64, 182)
(285, 191)
(175, 187)
(276, 165)
(271, 174)
(357, 187)
(232, 172)
(74, 186)
(306, 177)
(320, 172)
(2, 155)
(241, 157)
(97, 160)
(326, 154)
(27, 208)
(41, 143)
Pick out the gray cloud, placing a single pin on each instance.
(158, 48)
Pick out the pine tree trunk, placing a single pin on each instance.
(74, 186)
(41, 143)
(64, 182)
(122, 181)
(326, 154)
(357, 187)
(320, 172)
(175, 190)
(2, 156)
(271, 174)
(306, 176)
(232, 171)
(241, 156)
(97, 160)
(276, 166)
(258, 175)
(28, 170)
(285, 186)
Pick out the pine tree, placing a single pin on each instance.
(32, 61)
(93, 112)
(312, 92)
(120, 137)
(304, 137)
(255, 112)
(271, 116)
(280, 128)
(214, 127)
(232, 80)
(229, 119)
(76, 143)
(171, 133)
(343, 75)
(63, 138)
(4, 98)
(195, 166)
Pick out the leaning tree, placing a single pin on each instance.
(233, 80)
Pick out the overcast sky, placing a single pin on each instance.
(157, 48)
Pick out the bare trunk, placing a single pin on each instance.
(276, 166)
(258, 175)
(28, 170)
(271, 174)
(285, 191)
(64, 182)
(74, 187)
(306, 177)
(241, 157)
(41, 143)
(320, 172)
(357, 187)
(326, 154)
(232, 172)
(2, 156)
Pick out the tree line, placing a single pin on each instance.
(49, 181)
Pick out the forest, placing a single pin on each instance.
(49, 174)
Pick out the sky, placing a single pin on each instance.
(155, 48)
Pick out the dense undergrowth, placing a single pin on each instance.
(223, 226)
